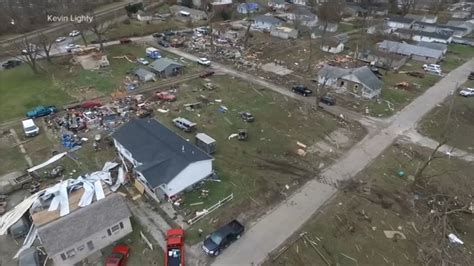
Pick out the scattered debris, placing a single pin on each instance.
(394, 234)
(454, 239)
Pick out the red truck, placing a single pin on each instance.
(174, 247)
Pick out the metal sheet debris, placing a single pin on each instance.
(394, 234)
(29, 239)
(48, 162)
(9, 218)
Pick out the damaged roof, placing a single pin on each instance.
(162, 153)
(69, 230)
(361, 75)
(162, 63)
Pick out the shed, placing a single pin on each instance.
(284, 32)
(206, 143)
(144, 75)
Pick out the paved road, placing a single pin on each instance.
(415, 137)
(283, 221)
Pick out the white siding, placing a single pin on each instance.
(192, 174)
(99, 240)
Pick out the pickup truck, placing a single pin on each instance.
(174, 247)
(14, 181)
(222, 238)
(40, 111)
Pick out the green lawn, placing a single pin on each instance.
(62, 83)
(11, 157)
(457, 55)
(460, 122)
(351, 225)
(21, 90)
(257, 170)
(137, 28)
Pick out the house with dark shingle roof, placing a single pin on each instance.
(418, 53)
(164, 162)
(359, 81)
(70, 239)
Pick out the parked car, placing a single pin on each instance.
(164, 43)
(174, 254)
(157, 35)
(29, 257)
(30, 49)
(119, 256)
(169, 33)
(471, 76)
(11, 64)
(125, 41)
(30, 128)
(142, 61)
(41, 110)
(328, 100)
(301, 89)
(247, 117)
(60, 39)
(222, 238)
(70, 47)
(466, 92)
(184, 124)
(207, 74)
(431, 66)
(74, 33)
(204, 61)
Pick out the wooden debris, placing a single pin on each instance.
(196, 203)
(349, 257)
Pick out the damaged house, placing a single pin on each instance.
(418, 53)
(165, 67)
(333, 45)
(381, 59)
(71, 238)
(165, 164)
(358, 81)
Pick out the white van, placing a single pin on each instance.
(30, 128)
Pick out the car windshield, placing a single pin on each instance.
(216, 238)
(30, 128)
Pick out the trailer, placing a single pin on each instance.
(152, 53)
(14, 181)
(174, 247)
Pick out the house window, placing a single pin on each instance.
(90, 245)
(109, 232)
(115, 228)
(80, 248)
(121, 225)
(71, 253)
(63, 256)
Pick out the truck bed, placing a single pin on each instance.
(174, 257)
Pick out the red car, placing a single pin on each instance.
(119, 256)
(174, 247)
(166, 96)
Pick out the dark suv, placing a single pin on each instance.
(222, 238)
(11, 64)
(303, 90)
(329, 100)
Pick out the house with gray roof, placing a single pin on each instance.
(164, 163)
(424, 36)
(70, 239)
(165, 67)
(432, 45)
(303, 15)
(361, 81)
(278, 4)
(418, 53)
(266, 22)
(144, 75)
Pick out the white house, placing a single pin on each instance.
(84, 231)
(278, 4)
(400, 23)
(265, 22)
(424, 36)
(333, 46)
(144, 16)
(298, 2)
(164, 163)
(284, 33)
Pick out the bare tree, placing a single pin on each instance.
(45, 43)
(27, 52)
(407, 5)
(329, 12)
(100, 28)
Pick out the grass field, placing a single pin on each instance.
(459, 124)
(256, 171)
(349, 230)
(62, 83)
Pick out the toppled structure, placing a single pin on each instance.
(91, 59)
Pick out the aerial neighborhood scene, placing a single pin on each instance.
(236, 132)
